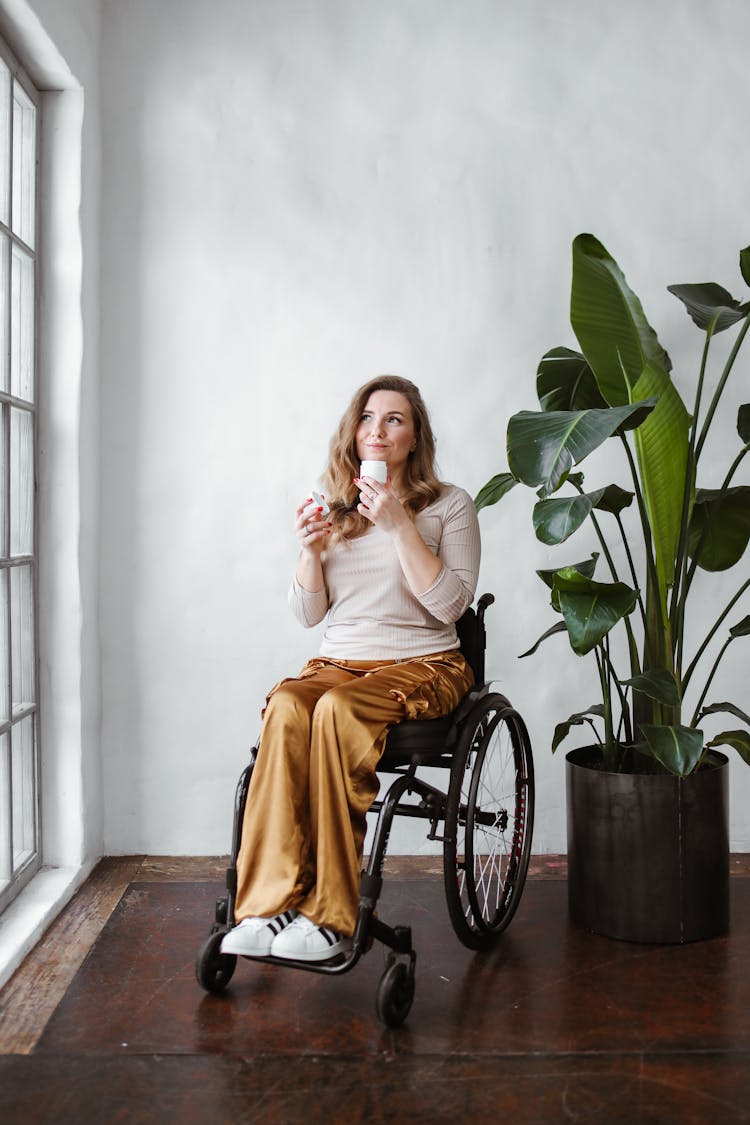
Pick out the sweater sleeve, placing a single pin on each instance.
(453, 590)
(309, 608)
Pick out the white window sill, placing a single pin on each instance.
(26, 919)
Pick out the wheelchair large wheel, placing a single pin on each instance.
(488, 821)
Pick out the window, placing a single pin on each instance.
(20, 843)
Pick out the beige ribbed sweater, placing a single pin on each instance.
(372, 613)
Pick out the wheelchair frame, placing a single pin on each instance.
(489, 804)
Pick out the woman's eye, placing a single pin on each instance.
(394, 418)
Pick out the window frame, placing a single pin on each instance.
(29, 865)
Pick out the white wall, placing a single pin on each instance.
(299, 194)
(69, 437)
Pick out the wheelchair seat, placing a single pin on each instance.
(429, 737)
(484, 819)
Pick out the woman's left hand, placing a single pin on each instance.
(379, 505)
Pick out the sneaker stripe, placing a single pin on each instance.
(280, 922)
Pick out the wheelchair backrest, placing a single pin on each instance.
(472, 636)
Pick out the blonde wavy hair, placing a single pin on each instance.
(420, 485)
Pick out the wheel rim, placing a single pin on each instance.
(493, 823)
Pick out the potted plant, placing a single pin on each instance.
(647, 804)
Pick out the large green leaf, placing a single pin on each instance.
(543, 447)
(743, 422)
(715, 708)
(586, 568)
(677, 748)
(564, 381)
(590, 609)
(558, 627)
(555, 520)
(614, 499)
(720, 526)
(738, 739)
(662, 448)
(494, 490)
(658, 684)
(609, 322)
(563, 729)
(745, 264)
(710, 306)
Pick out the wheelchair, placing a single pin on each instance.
(484, 819)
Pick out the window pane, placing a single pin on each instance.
(23, 770)
(3, 481)
(4, 301)
(22, 326)
(22, 637)
(21, 483)
(24, 165)
(5, 865)
(4, 665)
(4, 143)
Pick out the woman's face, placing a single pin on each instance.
(386, 431)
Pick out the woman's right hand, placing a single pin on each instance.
(311, 529)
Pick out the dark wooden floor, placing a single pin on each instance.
(104, 1022)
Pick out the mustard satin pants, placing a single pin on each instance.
(314, 779)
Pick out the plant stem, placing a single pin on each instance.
(600, 536)
(711, 675)
(653, 578)
(701, 378)
(704, 534)
(608, 750)
(687, 572)
(735, 465)
(712, 631)
(631, 564)
(677, 601)
(613, 570)
(720, 387)
(624, 708)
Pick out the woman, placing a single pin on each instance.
(393, 566)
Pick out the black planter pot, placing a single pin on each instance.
(648, 854)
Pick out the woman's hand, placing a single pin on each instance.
(380, 506)
(311, 529)
(312, 532)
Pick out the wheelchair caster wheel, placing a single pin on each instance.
(395, 994)
(213, 969)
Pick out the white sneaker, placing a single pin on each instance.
(253, 937)
(302, 940)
